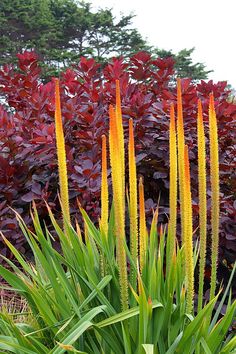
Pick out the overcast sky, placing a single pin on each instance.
(207, 25)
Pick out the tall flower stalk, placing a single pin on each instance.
(118, 178)
(173, 184)
(133, 203)
(188, 232)
(202, 201)
(104, 203)
(215, 205)
(120, 131)
(61, 156)
(181, 143)
(142, 226)
(104, 189)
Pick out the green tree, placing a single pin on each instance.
(21, 23)
(61, 31)
(184, 64)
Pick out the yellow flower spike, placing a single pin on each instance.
(112, 133)
(215, 204)
(104, 189)
(119, 208)
(133, 203)
(61, 155)
(188, 234)
(142, 226)
(173, 184)
(104, 202)
(202, 200)
(181, 143)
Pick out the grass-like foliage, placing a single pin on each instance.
(103, 294)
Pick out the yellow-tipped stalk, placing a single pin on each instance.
(120, 129)
(202, 201)
(104, 202)
(173, 184)
(117, 172)
(215, 205)
(133, 203)
(61, 156)
(181, 143)
(104, 189)
(188, 234)
(142, 226)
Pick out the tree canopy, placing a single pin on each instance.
(184, 64)
(61, 31)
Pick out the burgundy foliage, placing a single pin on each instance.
(28, 166)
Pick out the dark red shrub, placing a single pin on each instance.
(28, 167)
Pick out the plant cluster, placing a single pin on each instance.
(27, 138)
(88, 298)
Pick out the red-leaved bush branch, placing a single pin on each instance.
(28, 167)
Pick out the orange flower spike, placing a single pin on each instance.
(142, 226)
(202, 201)
(181, 143)
(118, 196)
(173, 182)
(61, 156)
(120, 128)
(188, 237)
(215, 204)
(133, 202)
(112, 131)
(118, 101)
(104, 189)
(114, 156)
(115, 159)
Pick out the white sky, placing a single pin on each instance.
(207, 25)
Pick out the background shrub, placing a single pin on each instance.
(27, 139)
